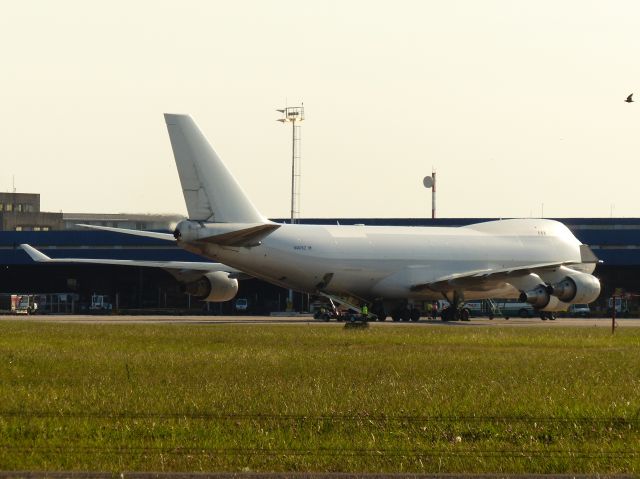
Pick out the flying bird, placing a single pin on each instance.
(629, 99)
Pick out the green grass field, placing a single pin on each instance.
(318, 397)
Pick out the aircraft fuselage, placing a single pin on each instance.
(378, 261)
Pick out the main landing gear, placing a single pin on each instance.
(455, 314)
(455, 311)
(406, 313)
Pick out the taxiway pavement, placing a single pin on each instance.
(255, 320)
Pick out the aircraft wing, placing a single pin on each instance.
(486, 279)
(482, 280)
(176, 268)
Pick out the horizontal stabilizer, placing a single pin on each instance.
(146, 234)
(226, 234)
(244, 237)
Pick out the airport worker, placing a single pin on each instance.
(364, 311)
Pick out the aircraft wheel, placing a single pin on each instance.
(415, 314)
(465, 315)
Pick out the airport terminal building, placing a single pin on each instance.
(616, 241)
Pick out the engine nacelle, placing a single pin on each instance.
(555, 304)
(538, 297)
(577, 288)
(214, 287)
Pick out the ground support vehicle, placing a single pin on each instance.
(23, 304)
(100, 304)
(622, 307)
(345, 310)
(340, 315)
(579, 311)
(241, 304)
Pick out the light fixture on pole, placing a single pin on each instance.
(430, 182)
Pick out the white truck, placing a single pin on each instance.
(100, 304)
(241, 304)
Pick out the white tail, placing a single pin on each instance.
(210, 190)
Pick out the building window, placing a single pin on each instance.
(1, 206)
(36, 228)
(19, 207)
(45, 228)
(9, 207)
(28, 208)
(18, 228)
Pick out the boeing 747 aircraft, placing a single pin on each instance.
(539, 261)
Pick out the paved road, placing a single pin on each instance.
(479, 322)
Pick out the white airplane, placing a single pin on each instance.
(206, 281)
(539, 261)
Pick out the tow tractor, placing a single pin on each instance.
(345, 311)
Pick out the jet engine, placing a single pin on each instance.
(542, 299)
(574, 288)
(215, 287)
(539, 297)
(577, 288)
(555, 304)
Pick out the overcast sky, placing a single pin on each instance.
(516, 104)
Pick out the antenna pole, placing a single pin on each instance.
(433, 196)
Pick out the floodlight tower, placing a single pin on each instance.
(294, 115)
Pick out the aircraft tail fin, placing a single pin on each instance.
(210, 190)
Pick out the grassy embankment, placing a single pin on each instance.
(318, 398)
